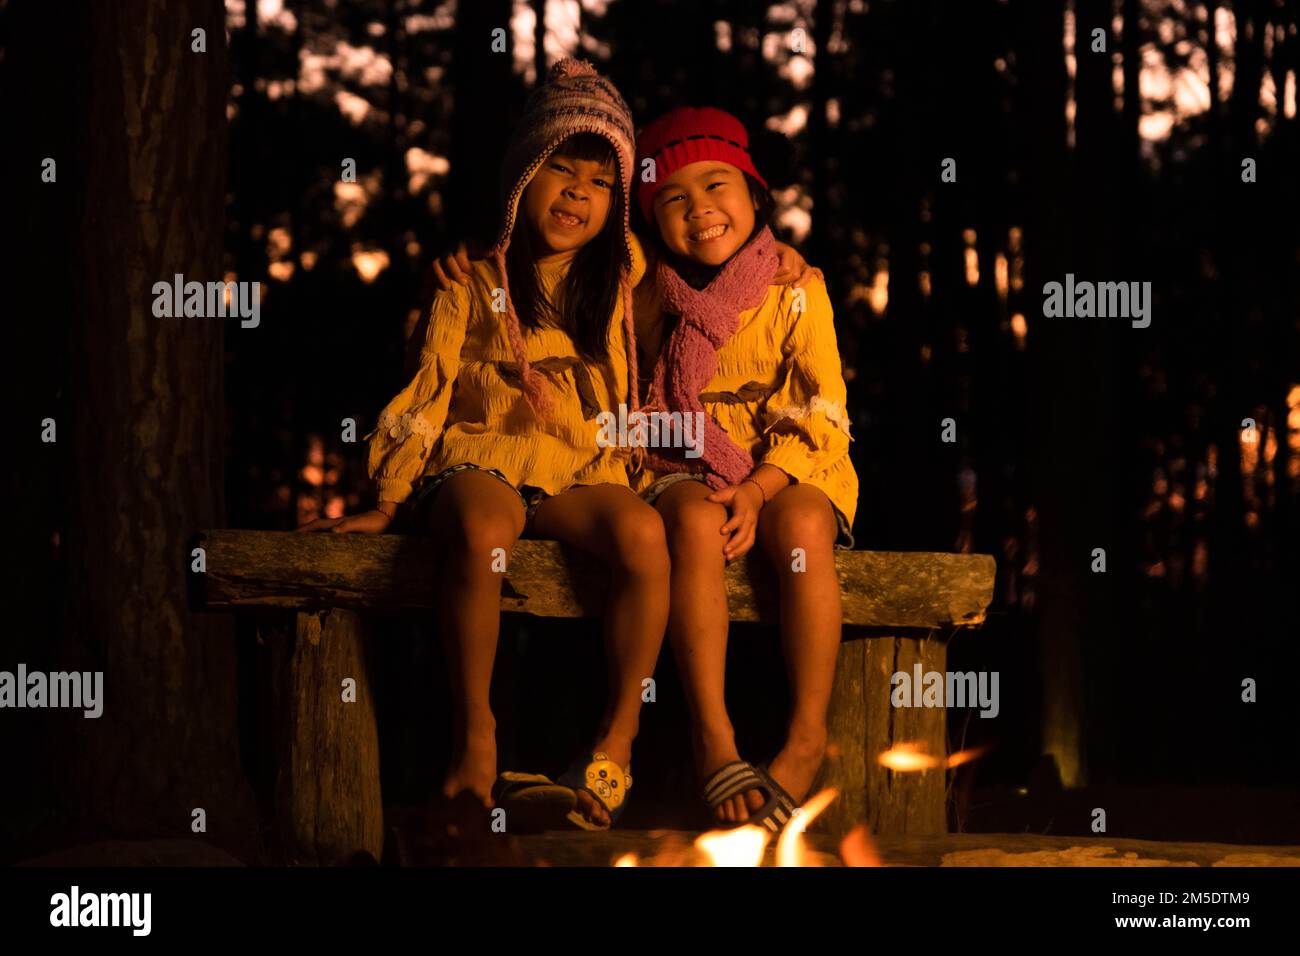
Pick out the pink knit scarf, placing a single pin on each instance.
(709, 317)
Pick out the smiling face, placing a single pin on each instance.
(705, 211)
(567, 202)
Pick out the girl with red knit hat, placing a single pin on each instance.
(497, 436)
(760, 360)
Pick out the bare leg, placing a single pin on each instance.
(612, 523)
(801, 516)
(697, 629)
(472, 515)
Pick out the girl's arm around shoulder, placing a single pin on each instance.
(809, 318)
(811, 346)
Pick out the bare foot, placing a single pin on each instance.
(475, 771)
(619, 750)
(715, 749)
(796, 766)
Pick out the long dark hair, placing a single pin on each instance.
(698, 275)
(585, 300)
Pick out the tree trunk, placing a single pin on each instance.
(1283, 44)
(539, 41)
(478, 75)
(1057, 382)
(145, 429)
(1212, 61)
(1132, 115)
(820, 151)
(1079, 505)
(1247, 72)
(37, 93)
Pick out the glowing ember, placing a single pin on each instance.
(906, 758)
(909, 758)
(965, 756)
(627, 859)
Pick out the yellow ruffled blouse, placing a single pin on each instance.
(465, 404)
(779, 391)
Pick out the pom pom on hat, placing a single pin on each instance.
(571, 67)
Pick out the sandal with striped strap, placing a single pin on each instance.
(739, 777)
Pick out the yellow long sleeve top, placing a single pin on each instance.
(779, 390)
(465, 404)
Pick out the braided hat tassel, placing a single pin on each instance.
(534, 388)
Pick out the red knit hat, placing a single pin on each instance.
(689, 135)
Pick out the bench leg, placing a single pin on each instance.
(327, 799)
(862, 725)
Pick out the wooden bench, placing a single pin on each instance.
(899, 608)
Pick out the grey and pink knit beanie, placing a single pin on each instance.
(574, 99)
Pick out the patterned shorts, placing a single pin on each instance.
(843, 541)
(427, 487)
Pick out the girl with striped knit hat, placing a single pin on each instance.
(496, 436)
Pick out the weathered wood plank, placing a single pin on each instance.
(379, 572)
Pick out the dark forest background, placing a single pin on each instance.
(1123, 165)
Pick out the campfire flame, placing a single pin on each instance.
(790, 850)
(746, 845)
(858, 849)
(742, 846)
